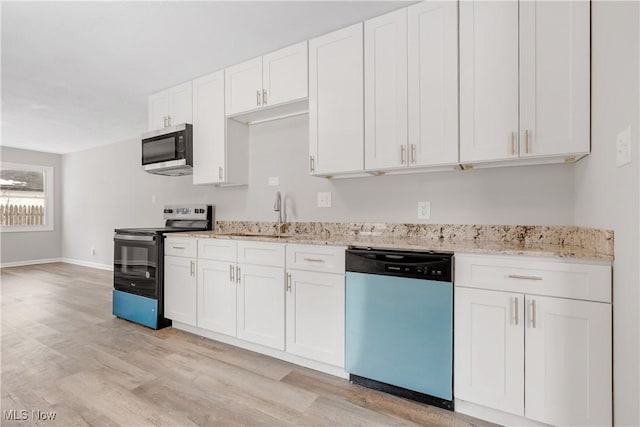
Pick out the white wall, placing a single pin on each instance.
(608, 196)
(17, 247)
(105, 188)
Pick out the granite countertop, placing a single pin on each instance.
(570, 242)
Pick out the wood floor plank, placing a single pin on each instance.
(63, 351)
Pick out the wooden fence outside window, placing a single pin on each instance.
(21, 215)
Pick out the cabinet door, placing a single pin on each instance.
(243, 83)
(180, 289)
(554, 77)
(180, 104)
(433, 83)
(158, 110)
(217, 296)
(488, 80)
(285, 75)
(209, 129)
(261, 305)
(336, 112)
(315, 316)
(385, 94)
(489, 349)
(568, 354)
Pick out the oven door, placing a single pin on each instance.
(136, 264)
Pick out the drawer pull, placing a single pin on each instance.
(314, 260)
(178, 247)
(520, 276)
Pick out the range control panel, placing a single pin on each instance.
(193, 212)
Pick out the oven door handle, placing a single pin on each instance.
(134, 238)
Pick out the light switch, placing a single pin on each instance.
(274, 181)
(424, 210)
(324, 199)
(623, 147)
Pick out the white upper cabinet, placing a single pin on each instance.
(244, 86)
(284, 75)
(554, 78)
(433, 83)
(524, 81)
(170, 107)
(220, 147)
(336, 112)
(385, 94)
(276, 78)
(488, 80)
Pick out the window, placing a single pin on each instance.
(26, 197)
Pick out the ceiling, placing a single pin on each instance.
(76, 75)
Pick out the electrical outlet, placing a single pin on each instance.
(623, 147)
(424, 210)
(273, 181)
(324, 199)
(153, 199)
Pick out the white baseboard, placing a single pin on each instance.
(50, 260)
(87, 264)
(30, 262)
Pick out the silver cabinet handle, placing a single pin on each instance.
(220, 173)
(515, 311)
(526, 141)
(258, 97)
(238, 274)
(313, 259)
(191, 267)
(264, 97)
(533, 313)
(169, 120)
(513, 143)
(165, 121)
(231, 275)
(288, 282)
(413, 154)
(520, 276)
(312, 164)
(402, 149)
(178, 247)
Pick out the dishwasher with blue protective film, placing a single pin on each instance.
(399, 323)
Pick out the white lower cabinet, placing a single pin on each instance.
(260, 302)
(315, 316)
(180, 289)
(546, 358)
(216, 296)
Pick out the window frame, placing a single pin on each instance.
(49, 186)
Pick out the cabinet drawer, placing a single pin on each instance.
(217, 249)
(329, 259)
(261, 253)
(181, 247)
(586, 281)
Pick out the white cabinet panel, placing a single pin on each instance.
(181, 247)
(244, 86)
(285, 75)
(321, 258)
(261, 305)
(554, 77)
(385, 67)
(180, 289)
(180, 104)
(209, 136)
(217, 249)
(158, 110)
(261, 253)
(489, 349)
(568, 354)
(336, 112)
(315, 316)
(488, 80)
(433, 83)
(217, 296)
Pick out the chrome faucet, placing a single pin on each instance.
(277, 207)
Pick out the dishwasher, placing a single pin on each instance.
(399, 323)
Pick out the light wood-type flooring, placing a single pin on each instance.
(64, 352)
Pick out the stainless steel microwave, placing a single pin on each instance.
(168, 151)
